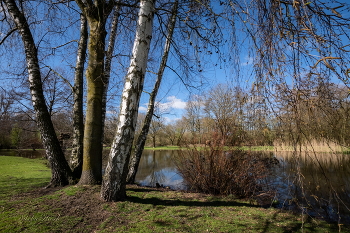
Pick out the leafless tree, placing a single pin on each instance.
(114, 182)
(141, 140)
(61, 173)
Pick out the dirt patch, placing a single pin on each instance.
(86, 204)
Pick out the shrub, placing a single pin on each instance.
(218, 171)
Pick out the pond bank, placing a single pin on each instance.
(25, 206)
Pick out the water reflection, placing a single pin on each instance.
(319, 183)
(159, 167)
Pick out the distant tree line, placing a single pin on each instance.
(226, 115)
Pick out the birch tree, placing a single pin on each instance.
(60, 170)
(76, 160)
(109, 56)
(114, 180)
(141, 140)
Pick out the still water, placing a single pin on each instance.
(159, 167)
(315, 183)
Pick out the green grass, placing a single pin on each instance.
(257, 148)
(163, 148)
(79, 208)
(21, 174)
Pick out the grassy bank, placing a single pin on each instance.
(27, 208)
(163, 148)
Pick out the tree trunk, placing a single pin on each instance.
(141, 140)
(96, 14)
(92, 159)
(109, 56)
(114, 180)
(60, 171)
(76, 159)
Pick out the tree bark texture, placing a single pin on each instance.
(114, 180)
(108, 64)
(76, 159)
(141, 140)
(96, 14)
(60, 171)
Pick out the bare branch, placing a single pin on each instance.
(64, 44)
(8, 34)
(59, 75)
(325, 62)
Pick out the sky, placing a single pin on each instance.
(173, 95)
(173, 98)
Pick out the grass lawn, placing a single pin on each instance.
(26, 207)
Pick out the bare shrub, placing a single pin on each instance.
(217, 171)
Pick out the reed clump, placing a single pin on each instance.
(311, 146)
(213, 170)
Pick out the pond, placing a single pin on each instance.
(316, 183)
(159, 167)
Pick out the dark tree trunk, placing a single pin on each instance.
(108, 65)
(96, 14)
(61, 173)
(76, 161)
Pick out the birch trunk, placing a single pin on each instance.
(60, 171)
(109, 55)
(114, 180)
(141, 140)
(76, 159)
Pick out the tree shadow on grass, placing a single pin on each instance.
(21, 188)
(144, 189)
(177, 202)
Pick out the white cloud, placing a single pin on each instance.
(171, 109)
(248, 61)
(142, 109)
(168, 120)
(173, 102)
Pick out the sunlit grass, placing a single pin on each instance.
(163, 148)
(19, 174)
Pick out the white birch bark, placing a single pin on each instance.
(114, 180)
(141, 140)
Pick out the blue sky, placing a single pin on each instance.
(173, 95)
